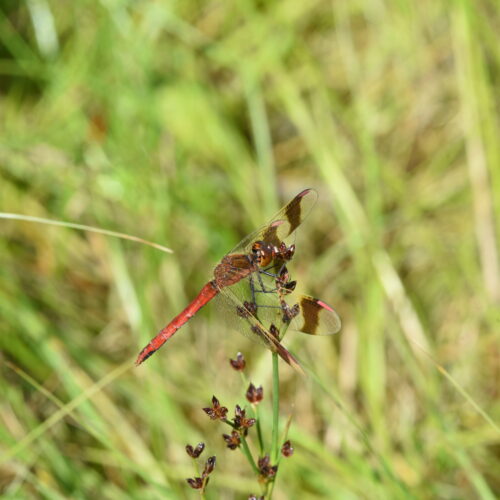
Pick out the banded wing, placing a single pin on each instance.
(312, 316)
(270, 295)
(316, 317)
(283, 224)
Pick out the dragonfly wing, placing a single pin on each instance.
(316, 317)
(238, 317)
(283, 224)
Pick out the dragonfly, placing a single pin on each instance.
(253, 287)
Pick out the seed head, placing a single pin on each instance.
(240, 420)
(233, 440)
(287, 449)
(254, 394)
(209, 467)
(195, 482)
(266, 470)
(239, 363)
(217, 411)
(195, 452)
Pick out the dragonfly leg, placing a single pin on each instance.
(270, 307)
(267, 273)
(274, 275)
(273, 290)
(259, 277)
(252, 289)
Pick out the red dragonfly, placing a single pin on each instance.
(252, 283)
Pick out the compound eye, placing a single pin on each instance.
(256, 247)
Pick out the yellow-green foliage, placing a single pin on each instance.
(189, 123)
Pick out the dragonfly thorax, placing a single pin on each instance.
(264, 253)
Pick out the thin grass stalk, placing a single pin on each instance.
(246, 451)
(259, 429)
(276, 408)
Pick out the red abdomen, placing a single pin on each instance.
(207, 293)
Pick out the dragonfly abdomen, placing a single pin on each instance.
(207, 293)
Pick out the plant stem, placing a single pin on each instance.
(244, 378)
(269, 489)
(276, 414)
(259, 430)
(246, 451)
(276, 408)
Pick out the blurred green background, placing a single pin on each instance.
(189, 124)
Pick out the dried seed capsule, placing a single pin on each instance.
(287, 449)
(240, 420)
(254, 394)
(195, 452)
(209, 467)
(196, 482)
(265, 468)
(233, 440)
(239, 363)
(217, 411)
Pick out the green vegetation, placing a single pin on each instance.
(188, 124)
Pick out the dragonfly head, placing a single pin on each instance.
(263, 253)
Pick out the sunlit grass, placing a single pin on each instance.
(188, 126)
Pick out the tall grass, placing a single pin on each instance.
(188, 124)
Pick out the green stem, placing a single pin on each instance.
(246, 451)
(271, 486)
(259, 429)
(245, 379)
(196, 467)
(276, 408)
